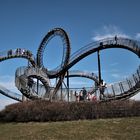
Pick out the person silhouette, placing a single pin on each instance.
(84, 93)
(116, 39)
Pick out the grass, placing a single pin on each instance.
(102, 129)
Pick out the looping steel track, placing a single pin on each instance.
(24, 75)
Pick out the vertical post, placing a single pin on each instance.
(138, 74)
(37, 86)
(99, 71)
(128, 82)
(99, 66)
(121, 87)
(56, 81)
(61, 89)
(68, 84)
(135, 80)
(23, 98)
(113, 90)
(96, 87)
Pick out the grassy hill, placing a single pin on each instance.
(101, 129)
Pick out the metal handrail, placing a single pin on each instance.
(130, 44)
(10, 94)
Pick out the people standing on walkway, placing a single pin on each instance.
(9, 53)
(84, 93)
(81, 98)
(116, 39)
(76, 96)
(102, 88)
(89, 96)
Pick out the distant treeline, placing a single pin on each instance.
(42, 111)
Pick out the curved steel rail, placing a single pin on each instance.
(123, 43)
(10, 94)
(77, 73)
(10, 54)
(38, 71)
(24, 82)
(123, 90)
(66, 52)
(128, 44)
(66, 47)
(17, 53)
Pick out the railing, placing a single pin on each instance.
(66, 46)
(17, 53)
(10, 94)
(126, 87)
(39, 75)
(121, 90)
(21, 81)
(77, 72)
(130, 44)
(62, 93)
(111, 91)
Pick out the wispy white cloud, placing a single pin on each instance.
(107, 32)
(137, 36)
(115, 75)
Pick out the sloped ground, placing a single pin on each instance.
(101, 129)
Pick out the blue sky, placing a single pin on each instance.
(23, 23)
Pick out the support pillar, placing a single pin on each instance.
(61, 89)
(68, 85)
(37, 86)
(99, 66)
(99, 72)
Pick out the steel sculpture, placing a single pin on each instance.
(24, 76)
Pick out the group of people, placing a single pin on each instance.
(83, 95)
(19, 51)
